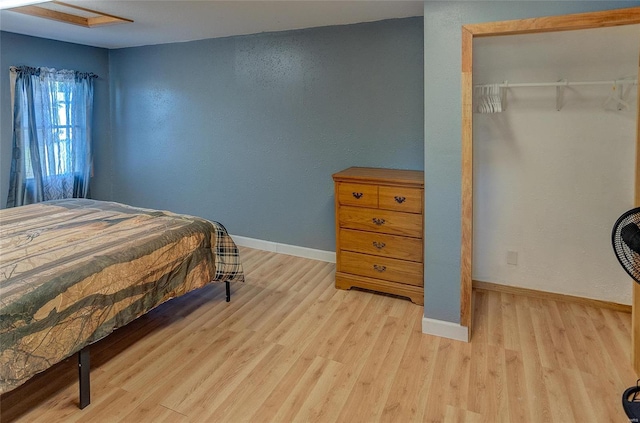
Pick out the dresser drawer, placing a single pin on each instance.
(360, 195)
(383, 221)
(406, 272)
(384, 245)
(400, 198)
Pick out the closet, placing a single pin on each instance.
(554, 159)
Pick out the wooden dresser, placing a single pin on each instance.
(379, 231)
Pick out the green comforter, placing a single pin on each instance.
(72, 271)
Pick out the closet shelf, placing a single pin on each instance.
(492, 98)
(561, 83)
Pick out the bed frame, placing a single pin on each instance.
(84, 367)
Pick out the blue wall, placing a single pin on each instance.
(18, 50)
(248, 130)
(442, 121)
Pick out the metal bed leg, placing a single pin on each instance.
(228, 291)
(83, 377)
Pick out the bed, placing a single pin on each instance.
(72, 271)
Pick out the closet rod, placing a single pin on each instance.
(561, 83)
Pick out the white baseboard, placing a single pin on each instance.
(292, 250)
(445, 329)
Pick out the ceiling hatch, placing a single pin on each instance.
(71, 14)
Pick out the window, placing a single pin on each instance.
(52, 134)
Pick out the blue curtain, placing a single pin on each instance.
(51, 135)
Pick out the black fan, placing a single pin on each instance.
(626, 244)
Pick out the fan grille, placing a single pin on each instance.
(629, 259)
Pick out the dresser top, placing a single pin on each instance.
(379, 175)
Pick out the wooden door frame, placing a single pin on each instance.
(601, 19)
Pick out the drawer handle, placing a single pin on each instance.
(379, 245)
(379, 268)
(357, 195)
(400, 200)
(377, 221)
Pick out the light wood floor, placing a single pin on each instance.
(290, 347)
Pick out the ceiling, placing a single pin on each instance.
(158, 22)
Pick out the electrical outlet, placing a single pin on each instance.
(512, 258)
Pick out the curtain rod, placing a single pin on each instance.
(560, 83)
(88, 74)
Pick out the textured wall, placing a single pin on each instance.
(442, 40)
(18, 50)
(248, 130)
